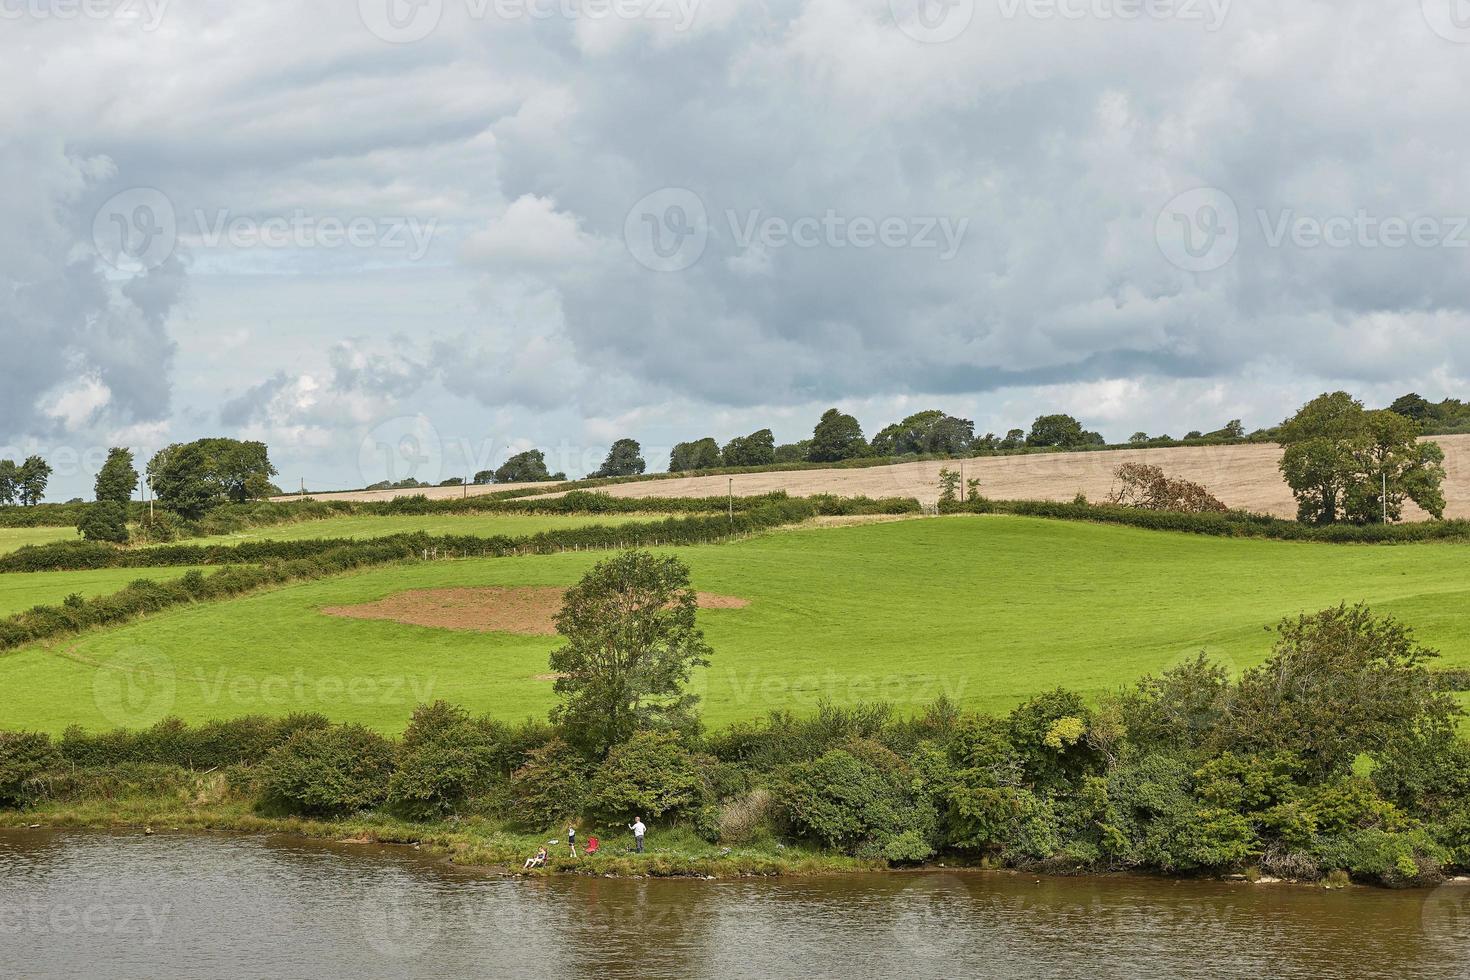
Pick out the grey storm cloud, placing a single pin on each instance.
(63, 323)
(1025, 166)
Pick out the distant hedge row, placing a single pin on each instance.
(698, 525)
(1229, 524)
(144, 596)
(278, 562)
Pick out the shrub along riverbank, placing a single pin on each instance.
(1336, 758)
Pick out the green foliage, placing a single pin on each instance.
(1045, 732)
(328, 771)
(190, 478)
(550, 785)
(117, 478)
(1061, 431)
(443, 762)
(1337, 456)
(858, 800)
(1237, 524)
(630, 642)
(623, 459)
(213, 745)
(836, 437)
(106, 520)
(756, 449)
(158, 527)
(525, 467)
(24, 483)
(652, 774)
(701, 454)
(930, 432)
(1339, 683)
(949, 485)
(25, 757)
(794, 452)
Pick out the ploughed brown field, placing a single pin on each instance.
(1244, 477)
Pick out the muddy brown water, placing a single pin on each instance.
(75, 904)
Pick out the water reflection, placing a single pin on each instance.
(75, 904)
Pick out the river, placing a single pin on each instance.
(75, 904)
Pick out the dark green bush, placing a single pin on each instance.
(550, 785)
(25, 757)
(444, 761)
(856, 799)
(328, 772)
(106, 520)
(654, 775)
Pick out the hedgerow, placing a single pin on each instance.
(1228, 524)
(256, 564)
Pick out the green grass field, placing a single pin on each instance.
(12, 538)
(22, 590)
(356, 526)
(987, 610)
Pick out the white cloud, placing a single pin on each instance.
(528, 142)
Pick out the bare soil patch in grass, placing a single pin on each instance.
(501, 609)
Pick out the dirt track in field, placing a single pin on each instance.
(500, 609)
(1243, 476)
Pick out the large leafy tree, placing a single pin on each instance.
(9, 481)
(701, 454)
(630, 643)
(192, 477)
(1062, 431)
(836, 437)
(525, 467)
(31, 478)
(118, 478)
(925, 432)
(1413, 406)
(107, 519)
(1336, 457)
(793, 452)
(625, 458)
(756, 449)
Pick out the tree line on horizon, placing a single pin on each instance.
(1338, 456)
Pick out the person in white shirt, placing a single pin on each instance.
(638, 831)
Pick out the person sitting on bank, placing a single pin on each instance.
(536, 861)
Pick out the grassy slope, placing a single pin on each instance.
(22, 590)
(12, 538)
(374, 527)
(989, 610)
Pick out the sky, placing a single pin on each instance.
(347, 227)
